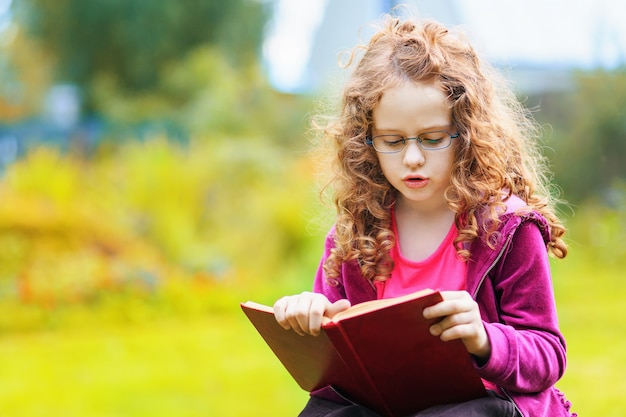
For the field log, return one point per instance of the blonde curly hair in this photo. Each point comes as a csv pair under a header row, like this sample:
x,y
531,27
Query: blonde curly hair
x,y
497,151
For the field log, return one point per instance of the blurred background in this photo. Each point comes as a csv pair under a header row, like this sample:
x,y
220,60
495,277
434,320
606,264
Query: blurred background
x,y
154,173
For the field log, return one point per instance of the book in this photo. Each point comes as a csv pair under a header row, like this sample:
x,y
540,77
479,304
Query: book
x,y
379,354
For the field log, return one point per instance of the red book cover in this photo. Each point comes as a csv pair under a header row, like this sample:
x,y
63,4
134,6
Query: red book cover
x,y
379,354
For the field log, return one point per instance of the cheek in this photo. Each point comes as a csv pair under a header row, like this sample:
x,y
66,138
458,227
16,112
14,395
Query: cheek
x,y
385,164
446,164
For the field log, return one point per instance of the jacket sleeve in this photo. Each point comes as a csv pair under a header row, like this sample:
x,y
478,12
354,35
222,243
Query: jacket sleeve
x,y
333,290
528,349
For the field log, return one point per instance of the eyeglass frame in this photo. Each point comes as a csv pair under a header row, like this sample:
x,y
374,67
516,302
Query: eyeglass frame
x,y
369,140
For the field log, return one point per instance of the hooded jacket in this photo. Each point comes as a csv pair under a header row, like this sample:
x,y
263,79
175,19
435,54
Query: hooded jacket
x,y
511,282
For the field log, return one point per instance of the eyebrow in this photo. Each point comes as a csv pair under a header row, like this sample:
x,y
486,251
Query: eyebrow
x,y
394,131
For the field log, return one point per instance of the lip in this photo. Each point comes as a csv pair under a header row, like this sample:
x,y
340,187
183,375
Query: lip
x,y
415,181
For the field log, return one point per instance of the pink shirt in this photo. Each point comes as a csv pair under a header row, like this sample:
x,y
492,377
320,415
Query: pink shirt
x,y
442,270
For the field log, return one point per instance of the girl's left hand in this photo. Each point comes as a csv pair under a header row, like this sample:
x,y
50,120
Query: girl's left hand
x,y
460,319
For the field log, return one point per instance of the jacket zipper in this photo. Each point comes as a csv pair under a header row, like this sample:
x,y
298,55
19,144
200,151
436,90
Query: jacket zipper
x,y
512,401
493,264
480,284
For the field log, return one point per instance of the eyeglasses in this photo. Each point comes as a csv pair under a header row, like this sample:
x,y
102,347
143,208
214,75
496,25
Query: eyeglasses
x,y
429,141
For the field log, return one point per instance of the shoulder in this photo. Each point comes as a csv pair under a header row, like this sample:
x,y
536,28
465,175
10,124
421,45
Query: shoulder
x,y
515,217
349,284
519,243
518,215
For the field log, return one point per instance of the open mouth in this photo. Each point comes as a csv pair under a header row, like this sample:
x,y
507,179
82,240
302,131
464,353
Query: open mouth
x,y
415,181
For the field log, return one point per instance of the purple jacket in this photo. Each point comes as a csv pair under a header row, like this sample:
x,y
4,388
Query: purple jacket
x,y
513,287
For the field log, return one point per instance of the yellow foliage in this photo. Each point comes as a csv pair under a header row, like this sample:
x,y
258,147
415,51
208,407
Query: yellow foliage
x,y
152,218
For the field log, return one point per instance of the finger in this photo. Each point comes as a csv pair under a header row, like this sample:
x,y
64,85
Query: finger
x,y
280,307
463,331
452,322
284,310
337,307
454,302
322,307
303,313
443,309
316,312
473,337
298,314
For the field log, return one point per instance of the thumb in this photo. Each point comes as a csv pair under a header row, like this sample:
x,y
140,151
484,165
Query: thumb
x,y
336,307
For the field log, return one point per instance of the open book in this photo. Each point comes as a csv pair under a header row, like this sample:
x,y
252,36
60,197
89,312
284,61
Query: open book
x,y
379,354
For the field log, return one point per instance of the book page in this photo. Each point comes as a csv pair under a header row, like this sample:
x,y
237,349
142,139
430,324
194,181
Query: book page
x,y
357,309
260,307
363,308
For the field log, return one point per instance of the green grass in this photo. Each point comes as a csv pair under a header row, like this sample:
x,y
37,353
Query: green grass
x,y
591,311
218,365
212,366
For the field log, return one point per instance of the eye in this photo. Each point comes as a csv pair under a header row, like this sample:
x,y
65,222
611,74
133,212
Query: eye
x,y
433,138
392,140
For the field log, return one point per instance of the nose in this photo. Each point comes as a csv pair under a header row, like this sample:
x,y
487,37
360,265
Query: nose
x,y
413,154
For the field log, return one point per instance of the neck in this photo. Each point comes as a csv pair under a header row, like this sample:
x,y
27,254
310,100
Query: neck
x,y
424,213
421,230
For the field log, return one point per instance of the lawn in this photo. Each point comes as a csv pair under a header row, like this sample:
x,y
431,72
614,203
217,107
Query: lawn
x,y
590,300
218,365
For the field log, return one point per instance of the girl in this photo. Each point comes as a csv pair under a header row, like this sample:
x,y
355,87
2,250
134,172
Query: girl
x,y
438,183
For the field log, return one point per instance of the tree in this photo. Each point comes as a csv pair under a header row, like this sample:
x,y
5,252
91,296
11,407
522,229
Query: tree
x,y
590,147
132,41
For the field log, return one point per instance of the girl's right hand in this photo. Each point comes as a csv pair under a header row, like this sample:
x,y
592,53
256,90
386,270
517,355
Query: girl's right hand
x,y
303,313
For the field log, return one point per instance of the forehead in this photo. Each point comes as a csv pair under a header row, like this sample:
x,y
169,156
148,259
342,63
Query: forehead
x,y
412,106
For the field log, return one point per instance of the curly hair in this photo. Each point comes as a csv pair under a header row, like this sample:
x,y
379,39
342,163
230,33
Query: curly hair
x,y
497,156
